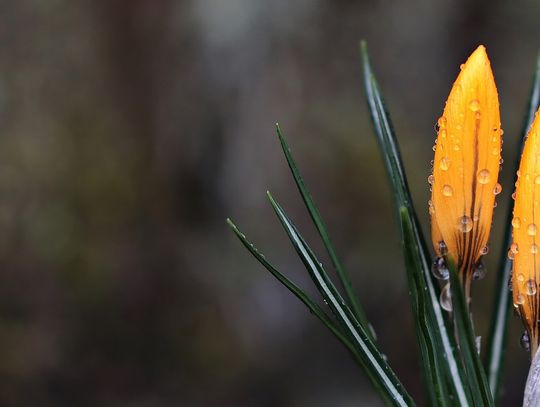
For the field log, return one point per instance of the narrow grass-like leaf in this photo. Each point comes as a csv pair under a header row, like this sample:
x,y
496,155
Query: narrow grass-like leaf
x,y
390,150
475,371
313,307
377,369
427,338
498,330
323,232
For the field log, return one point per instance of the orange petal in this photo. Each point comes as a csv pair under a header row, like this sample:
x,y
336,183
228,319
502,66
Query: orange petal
x,y
466,165
525,234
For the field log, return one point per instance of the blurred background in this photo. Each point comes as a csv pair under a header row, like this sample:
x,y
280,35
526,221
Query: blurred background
x,y
129,131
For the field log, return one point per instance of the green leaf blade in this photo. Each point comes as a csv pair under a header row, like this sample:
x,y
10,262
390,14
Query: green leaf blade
x,y
475,371
323,233
313,307
428,340
502,302
377,369
382,124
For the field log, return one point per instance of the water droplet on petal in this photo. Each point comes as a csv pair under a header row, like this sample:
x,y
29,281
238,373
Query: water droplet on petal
x,y
514,195
439,269
534,249
525,341
516,223
442,122
474,105
446,298
447,190
484,250
431,179
531,287
461,67
495,151
497,189
443,249
520,299
444,164
537,180
465,224
520,277
483,176
514,248
431,209
531,229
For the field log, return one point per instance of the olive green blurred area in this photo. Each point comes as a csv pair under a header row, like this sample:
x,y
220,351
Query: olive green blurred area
x,y
129,132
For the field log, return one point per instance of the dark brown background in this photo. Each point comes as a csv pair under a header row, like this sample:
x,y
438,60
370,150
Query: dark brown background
x,y
129,131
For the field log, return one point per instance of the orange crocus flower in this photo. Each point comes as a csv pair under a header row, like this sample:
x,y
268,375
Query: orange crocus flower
x,y
466,168
525,235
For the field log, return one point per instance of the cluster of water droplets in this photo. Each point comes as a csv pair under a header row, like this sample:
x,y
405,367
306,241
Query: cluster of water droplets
x,y
464,223
444,163
530,286
440,271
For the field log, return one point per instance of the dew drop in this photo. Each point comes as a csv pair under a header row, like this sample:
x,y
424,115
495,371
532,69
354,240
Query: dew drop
x,y
534,249
520,277
514,248
434,147
516,223
447,190
458,127
441,122
497,189
537,180
444,164
479,271
443,249
442,133
510,254
484,250
446,298
474,105
456,147
495,151
531,229
431,179
520,299
483,176
439,269
465,224
525,341
514,195
502,132
431,209
461,67
531,287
